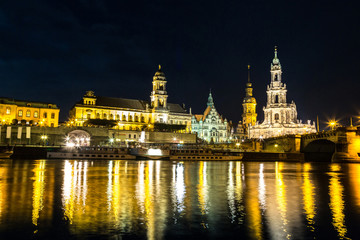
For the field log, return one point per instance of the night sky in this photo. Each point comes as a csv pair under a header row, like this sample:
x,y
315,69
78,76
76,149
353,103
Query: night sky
x,y
53,51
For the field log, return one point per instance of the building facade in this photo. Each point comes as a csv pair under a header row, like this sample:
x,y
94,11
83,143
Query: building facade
x,y
210,126
132,114
280,117
15,112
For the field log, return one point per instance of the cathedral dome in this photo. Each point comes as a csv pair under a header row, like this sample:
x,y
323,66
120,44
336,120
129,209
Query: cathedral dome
x,y
159,72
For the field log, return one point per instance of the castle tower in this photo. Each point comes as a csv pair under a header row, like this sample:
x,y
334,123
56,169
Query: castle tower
x,y
249,105
159,95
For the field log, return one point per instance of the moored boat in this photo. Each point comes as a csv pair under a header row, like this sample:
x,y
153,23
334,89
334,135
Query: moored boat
x,y
150,153
204,155
90,153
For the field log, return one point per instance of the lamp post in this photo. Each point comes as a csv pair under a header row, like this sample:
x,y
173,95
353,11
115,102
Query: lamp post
x,y
332,124
44,138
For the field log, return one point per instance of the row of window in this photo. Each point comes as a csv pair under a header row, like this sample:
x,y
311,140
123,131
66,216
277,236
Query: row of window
x,y
28,113
111,116
36,114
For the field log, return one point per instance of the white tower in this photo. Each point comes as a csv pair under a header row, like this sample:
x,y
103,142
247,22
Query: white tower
x,y
277,110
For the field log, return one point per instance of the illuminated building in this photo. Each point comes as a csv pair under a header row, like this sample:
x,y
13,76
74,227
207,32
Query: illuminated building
x,y
31,113
210,126
249,115
132,114
280,117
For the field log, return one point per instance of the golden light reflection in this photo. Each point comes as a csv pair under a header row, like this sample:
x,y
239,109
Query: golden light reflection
x,y
203,189
231,192
281,196
253,207
354,169
308,196
116,193
262,187
239,190
337,204
2,191
74,188
38,190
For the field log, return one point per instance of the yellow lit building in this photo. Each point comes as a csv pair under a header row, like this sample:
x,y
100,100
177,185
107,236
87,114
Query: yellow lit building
x,y
249,105
132,114
31,113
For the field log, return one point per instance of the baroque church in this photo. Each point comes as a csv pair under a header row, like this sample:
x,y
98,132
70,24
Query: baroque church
x,y
280,117
133,114
210,126
249,115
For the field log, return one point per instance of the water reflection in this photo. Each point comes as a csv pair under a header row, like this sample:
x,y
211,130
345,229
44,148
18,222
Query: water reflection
x,y
252,203
337,203
164,200
203,189
38,190
309,196
74,188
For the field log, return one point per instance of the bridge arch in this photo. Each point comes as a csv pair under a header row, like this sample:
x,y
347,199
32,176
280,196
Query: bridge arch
x,y
320,150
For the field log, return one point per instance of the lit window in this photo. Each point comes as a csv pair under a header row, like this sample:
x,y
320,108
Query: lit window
x,y
20,113
36,114
28,113
8,111
52,115
45,115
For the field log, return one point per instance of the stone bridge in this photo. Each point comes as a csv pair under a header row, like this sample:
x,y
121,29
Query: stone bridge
x,y
339,145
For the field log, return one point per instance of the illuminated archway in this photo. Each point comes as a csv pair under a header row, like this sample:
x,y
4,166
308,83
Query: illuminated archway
x,y
77,138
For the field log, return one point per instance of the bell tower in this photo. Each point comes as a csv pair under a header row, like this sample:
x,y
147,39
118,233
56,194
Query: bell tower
x,y
159,95
276,91
249,105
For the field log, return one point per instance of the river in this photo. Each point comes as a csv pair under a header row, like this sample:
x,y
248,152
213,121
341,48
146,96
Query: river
x,y
127,199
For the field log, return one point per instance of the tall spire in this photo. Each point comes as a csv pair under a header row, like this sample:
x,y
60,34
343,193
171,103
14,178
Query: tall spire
x,y
210,102
248,73
276,61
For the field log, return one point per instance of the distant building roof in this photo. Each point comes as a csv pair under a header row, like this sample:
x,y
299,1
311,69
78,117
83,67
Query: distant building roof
x,y
4,100
132,104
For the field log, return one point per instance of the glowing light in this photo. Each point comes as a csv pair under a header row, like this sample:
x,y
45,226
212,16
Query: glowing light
x,y
332,124
70,144
154,152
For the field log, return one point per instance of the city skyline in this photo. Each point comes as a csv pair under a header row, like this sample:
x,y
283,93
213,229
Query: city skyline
x,y
57,51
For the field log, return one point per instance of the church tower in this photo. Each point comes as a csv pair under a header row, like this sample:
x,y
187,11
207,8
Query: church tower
x,y
249,105
159,95
276,91
210,102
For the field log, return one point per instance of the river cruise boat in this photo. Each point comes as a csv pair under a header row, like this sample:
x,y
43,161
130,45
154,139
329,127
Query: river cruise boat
x,y
150,153
90,153
204,155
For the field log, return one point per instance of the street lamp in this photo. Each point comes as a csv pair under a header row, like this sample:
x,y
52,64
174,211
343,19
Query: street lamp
x,y
332,124
44,138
